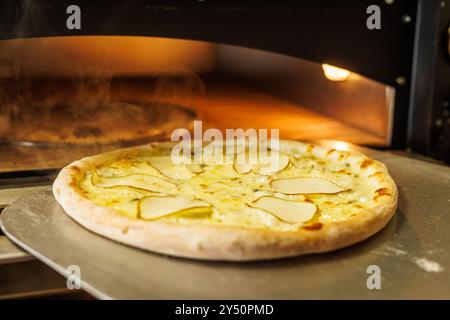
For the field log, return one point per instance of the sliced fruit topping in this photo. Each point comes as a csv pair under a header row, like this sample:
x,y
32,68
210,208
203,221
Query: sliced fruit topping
x,y
171,170
305,185
242,168
265,165
273,163
285,210
154,207
140,181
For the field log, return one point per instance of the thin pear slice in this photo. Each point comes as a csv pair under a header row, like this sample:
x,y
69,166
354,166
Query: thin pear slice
x,y
242,168
154,207
266,165
285,210
140,181
243,162
196,213
169,169
305,185
273,163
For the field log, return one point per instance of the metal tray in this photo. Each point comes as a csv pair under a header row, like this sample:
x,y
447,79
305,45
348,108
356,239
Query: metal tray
x,y
412,253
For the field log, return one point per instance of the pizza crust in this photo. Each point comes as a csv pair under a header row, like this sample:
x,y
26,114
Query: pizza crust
x,y
216,242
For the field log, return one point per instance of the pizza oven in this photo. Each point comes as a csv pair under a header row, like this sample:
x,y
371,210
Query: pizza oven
x,y
81,77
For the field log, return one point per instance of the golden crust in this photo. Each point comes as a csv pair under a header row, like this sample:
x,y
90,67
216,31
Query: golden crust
x,y
215,242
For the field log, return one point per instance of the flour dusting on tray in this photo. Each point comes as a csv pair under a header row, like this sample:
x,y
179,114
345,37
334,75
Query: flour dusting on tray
x,y
428,265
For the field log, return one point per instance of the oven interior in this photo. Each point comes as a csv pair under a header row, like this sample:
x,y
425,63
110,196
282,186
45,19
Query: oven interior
x,y
63,98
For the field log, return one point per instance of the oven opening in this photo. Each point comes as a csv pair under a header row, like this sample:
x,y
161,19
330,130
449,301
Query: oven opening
x,y
63,98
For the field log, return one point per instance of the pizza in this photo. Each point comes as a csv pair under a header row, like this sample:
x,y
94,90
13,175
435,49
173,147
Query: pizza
x,y
314,199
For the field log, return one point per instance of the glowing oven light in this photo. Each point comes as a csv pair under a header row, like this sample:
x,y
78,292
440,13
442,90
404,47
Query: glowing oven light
x,y
334,73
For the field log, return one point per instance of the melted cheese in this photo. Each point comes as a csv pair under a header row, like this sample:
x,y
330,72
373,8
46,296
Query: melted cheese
x,y
229,193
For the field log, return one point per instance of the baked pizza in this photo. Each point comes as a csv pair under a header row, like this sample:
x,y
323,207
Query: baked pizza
x,y
313,199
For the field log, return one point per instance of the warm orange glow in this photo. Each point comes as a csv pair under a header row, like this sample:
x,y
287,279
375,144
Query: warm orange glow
x,y
334,73
340,145
86,56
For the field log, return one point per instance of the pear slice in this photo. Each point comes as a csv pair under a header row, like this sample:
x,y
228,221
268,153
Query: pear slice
x,y
305,185
266,165
140,181
285,210
154,207
273,163
242,168
196,213
170,170
242,162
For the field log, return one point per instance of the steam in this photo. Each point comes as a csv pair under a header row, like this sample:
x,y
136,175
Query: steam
x,y
28,17
13,85
183,86
85,102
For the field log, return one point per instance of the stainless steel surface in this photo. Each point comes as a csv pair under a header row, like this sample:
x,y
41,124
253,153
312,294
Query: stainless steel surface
x,y
10,253
9,195
412,253
359,101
